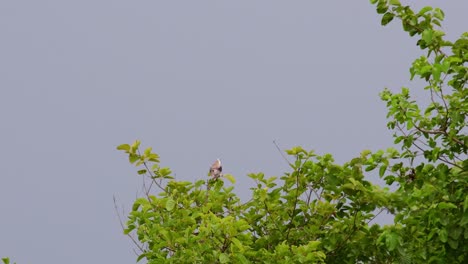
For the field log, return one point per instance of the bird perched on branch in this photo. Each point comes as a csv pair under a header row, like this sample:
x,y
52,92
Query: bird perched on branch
x,y
216,169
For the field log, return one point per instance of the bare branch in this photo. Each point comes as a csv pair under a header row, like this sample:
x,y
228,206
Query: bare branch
x,y
123,227
281,152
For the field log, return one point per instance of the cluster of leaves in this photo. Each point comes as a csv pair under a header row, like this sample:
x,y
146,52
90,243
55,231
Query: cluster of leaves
x,y
322,212
438,131
6,260
433,214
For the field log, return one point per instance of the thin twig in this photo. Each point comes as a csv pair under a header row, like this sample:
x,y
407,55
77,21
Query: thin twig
x,y
381,210
123,226
152,176
281,152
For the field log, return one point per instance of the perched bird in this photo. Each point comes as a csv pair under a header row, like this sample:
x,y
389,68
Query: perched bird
x,y
216,169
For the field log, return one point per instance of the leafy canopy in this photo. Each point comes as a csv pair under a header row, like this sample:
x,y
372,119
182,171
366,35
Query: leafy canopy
x,y
320,211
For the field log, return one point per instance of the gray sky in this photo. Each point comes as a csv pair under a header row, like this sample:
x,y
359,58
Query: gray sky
x,y
196,80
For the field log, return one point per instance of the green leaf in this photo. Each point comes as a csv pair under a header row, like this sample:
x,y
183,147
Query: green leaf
x,y
138,203
444,205
445,66
443,235
240,258
465,204
163,172
425,10
141,172
134,147
6,260
170,204
370,167
427,36
436,73
365,153
390,180
223,258
230,178
382,7
140,257
125,147
313,245
349,186
147,151
382,170
455,232
153,157
387,18
464,220
453,243
391,241
237,243
438,13
129,229
133,158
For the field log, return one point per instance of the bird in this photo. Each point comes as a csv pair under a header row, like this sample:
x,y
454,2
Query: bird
x,y
216,169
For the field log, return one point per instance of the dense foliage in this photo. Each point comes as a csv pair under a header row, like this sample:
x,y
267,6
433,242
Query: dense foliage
x,y
320,211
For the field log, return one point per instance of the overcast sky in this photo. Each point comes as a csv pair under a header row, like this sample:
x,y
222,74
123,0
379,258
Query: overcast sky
x,y
196,80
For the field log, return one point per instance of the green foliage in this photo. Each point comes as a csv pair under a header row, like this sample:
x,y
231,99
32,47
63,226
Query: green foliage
x,y
433,193
320,211
6,261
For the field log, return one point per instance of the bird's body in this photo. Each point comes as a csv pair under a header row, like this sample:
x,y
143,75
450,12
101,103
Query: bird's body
x,y
216,169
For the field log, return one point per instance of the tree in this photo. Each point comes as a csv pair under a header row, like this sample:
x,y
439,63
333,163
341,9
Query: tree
x,y
320,211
